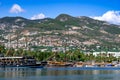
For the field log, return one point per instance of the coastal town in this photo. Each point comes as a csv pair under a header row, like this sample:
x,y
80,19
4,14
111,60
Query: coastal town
x,y
72,43
54,44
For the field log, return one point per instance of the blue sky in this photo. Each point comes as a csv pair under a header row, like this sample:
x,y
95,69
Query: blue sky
x,y
52,8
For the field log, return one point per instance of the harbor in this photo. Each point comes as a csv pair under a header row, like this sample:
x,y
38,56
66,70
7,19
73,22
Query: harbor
x,y
31,62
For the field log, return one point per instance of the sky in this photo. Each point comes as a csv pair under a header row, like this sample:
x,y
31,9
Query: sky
x,y
106,10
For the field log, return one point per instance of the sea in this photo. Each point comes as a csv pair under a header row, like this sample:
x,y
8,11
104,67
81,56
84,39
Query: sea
x,y
59,73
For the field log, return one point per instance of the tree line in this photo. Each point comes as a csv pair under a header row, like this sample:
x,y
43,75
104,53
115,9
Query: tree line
x,y
71,55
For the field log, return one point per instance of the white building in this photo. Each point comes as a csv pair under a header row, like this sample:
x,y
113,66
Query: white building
x,y
115,54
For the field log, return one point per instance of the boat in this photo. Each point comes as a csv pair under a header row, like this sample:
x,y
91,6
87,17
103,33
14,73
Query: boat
x,y
59,64
78,64
25,61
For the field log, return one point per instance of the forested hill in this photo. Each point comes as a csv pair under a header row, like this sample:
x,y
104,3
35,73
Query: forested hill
x,y
83,29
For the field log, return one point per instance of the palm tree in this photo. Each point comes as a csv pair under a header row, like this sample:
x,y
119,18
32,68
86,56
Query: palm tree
x,y
2,50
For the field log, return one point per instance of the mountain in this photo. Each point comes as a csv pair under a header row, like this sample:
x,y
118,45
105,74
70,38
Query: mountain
x,y
81,30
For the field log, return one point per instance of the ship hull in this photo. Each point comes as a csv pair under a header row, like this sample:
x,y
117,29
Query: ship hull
x,y
28,66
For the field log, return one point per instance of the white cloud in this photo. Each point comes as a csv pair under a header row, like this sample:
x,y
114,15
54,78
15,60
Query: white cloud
x,y
16,9
38,16
110,16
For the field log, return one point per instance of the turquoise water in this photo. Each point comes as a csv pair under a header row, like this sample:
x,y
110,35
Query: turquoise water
x,y
59,74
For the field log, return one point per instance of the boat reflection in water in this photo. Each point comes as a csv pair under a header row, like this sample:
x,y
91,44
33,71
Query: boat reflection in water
x,y
19,62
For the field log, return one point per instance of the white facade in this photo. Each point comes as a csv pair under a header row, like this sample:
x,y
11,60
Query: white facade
x,y
115,54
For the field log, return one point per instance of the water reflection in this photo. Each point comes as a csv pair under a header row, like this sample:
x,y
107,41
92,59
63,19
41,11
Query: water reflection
x,y
57,74
17,72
